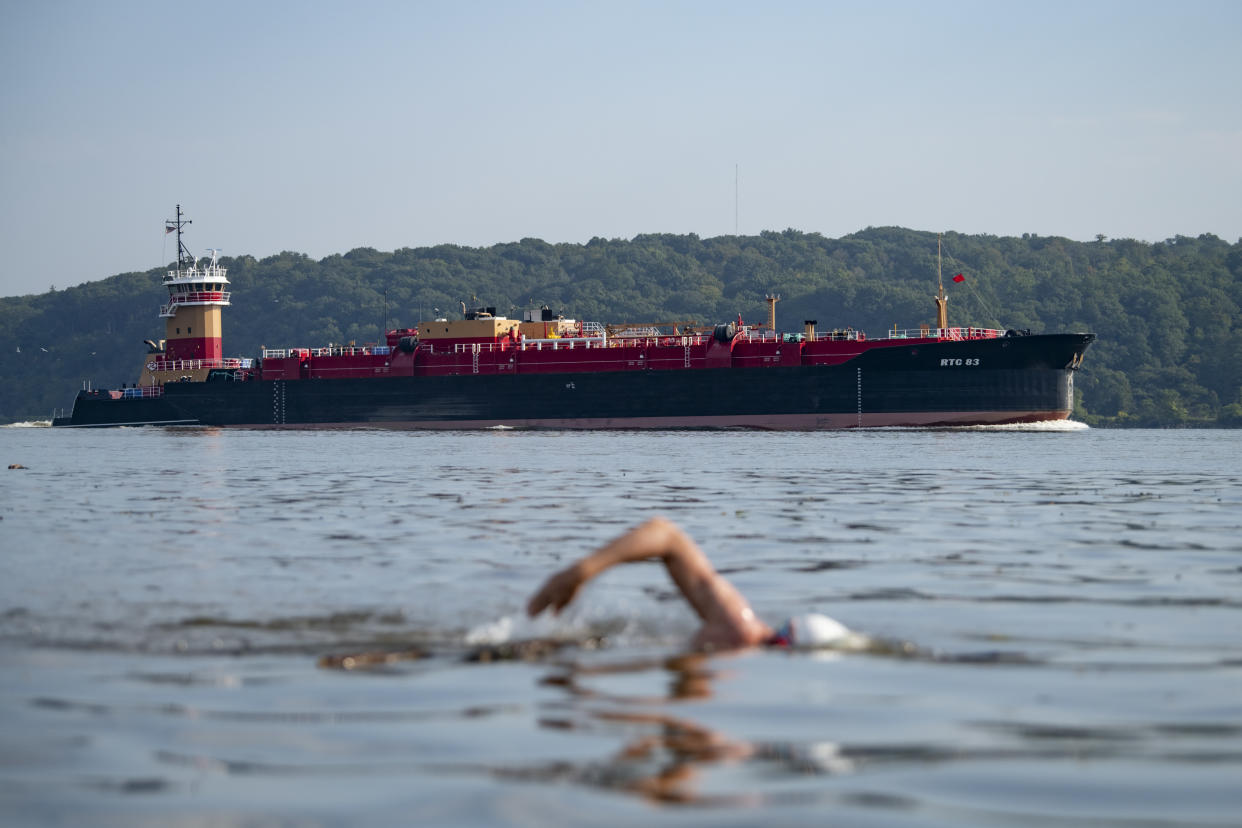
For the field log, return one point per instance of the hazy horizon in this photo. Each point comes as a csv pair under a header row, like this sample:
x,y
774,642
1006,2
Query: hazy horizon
x,y
318,129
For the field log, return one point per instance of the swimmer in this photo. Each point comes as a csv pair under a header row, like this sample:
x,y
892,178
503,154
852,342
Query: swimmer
x,y
728,621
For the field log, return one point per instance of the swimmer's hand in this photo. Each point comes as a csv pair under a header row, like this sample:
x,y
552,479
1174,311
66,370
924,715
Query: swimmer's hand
x,y
558,591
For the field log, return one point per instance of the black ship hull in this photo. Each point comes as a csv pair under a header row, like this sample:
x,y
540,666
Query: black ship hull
x,y
1001,380
97,409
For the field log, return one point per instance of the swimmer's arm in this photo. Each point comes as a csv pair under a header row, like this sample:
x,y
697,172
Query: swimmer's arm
x,y
727,617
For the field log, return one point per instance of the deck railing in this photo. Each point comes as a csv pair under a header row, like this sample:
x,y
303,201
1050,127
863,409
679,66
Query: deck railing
x,y
562,344
198,364
199,297
575,343
144,391
943,333
331,350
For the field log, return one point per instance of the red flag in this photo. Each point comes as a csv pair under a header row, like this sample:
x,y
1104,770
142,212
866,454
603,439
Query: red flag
x,y
959,278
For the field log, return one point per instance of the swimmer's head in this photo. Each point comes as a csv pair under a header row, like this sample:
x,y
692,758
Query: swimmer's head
x,y
812,630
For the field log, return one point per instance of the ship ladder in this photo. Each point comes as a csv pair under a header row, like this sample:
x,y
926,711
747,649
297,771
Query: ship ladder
x,y
860,421
278,402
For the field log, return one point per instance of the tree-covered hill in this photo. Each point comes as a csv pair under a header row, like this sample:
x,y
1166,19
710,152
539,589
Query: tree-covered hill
x,y
1169,351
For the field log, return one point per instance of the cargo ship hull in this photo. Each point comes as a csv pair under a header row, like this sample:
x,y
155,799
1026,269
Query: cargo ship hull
x,y
987,381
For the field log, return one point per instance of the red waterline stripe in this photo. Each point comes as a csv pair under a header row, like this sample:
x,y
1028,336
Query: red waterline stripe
x,y
775,422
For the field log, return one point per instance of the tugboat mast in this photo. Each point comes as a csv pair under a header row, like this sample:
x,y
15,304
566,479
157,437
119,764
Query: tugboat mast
x,y
183,255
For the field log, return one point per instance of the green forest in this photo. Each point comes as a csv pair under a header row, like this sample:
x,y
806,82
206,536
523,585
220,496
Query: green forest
x,y
1169,352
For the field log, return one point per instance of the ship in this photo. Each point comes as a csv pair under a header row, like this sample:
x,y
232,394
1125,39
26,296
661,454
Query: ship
x,y
544,370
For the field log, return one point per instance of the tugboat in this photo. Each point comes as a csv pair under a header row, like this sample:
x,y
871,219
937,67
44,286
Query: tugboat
x,y
545,371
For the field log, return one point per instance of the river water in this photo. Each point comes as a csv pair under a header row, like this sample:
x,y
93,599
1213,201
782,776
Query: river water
x,y
1054,617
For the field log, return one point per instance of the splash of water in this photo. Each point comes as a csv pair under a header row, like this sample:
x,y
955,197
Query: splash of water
x,y
1044,425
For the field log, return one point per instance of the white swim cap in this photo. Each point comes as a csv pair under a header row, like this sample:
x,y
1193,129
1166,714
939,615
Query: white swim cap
x,y
814,630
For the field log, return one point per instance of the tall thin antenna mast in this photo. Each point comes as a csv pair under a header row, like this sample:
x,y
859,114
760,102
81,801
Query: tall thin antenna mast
x,y
183,255
942,313
735,198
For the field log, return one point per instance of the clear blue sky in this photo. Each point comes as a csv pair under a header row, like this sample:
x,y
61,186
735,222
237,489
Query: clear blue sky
x,y
320,127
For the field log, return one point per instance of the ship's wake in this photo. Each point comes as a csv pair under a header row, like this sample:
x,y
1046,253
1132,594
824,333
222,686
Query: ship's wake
x,y
1044,425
